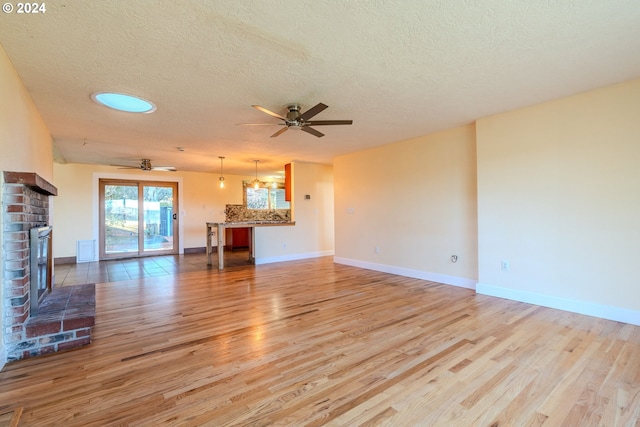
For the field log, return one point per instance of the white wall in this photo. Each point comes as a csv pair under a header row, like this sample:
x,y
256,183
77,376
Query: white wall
x,y
559,199
407,207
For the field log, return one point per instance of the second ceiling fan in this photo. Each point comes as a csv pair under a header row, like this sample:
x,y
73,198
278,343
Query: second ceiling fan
x,y
298,120
145,165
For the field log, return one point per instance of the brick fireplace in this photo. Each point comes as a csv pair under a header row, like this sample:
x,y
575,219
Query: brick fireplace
x,y
65,316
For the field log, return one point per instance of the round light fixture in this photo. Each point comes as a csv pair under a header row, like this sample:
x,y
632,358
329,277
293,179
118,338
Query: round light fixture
x,y
122,102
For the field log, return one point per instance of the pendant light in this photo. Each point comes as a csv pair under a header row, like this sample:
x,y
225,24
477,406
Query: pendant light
x,y
221,179
256,182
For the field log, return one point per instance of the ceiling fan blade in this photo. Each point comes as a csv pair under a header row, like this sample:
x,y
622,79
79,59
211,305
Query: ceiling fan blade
x,y
164,168
258,124
125,167
312,131
280,132
329,122
271,113
312,112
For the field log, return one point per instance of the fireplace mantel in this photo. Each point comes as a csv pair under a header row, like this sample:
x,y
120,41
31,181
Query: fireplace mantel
x,y
32,180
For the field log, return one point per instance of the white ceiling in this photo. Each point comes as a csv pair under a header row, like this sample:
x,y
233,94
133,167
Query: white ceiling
x,y
397,68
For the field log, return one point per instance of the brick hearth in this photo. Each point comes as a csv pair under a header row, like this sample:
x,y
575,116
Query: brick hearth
x,y
64,321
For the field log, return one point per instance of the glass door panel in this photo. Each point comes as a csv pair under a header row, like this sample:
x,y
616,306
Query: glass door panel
x,y
158,218
120,219
138,218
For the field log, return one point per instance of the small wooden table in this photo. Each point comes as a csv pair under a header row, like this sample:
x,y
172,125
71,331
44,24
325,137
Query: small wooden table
x,y
219,227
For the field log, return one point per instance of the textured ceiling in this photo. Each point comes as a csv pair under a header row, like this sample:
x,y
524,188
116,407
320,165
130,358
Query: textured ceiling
x,y
397,68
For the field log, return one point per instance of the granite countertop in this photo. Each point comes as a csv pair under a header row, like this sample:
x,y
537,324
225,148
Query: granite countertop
x,y
260,222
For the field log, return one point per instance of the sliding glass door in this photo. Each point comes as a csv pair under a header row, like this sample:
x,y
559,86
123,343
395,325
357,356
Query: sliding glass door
x,y
138,218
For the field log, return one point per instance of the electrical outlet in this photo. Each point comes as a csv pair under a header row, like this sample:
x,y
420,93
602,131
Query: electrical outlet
x,y
376,249
504,265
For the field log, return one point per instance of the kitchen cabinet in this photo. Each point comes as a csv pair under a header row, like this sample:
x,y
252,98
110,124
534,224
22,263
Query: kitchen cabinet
x,y
237,238
287,182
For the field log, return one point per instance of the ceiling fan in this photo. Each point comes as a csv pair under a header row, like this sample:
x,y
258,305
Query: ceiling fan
x,y
300,121
145,165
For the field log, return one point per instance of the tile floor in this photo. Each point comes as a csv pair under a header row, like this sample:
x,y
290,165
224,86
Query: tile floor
x,y
136,268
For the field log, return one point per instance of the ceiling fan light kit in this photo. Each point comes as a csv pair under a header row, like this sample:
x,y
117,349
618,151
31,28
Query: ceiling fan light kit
x,y
296,120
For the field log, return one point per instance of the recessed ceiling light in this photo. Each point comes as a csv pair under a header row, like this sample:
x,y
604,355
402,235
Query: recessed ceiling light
x,y
122,102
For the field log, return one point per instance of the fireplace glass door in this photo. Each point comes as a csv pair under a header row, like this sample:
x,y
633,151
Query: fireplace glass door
x,y
137,218
40,261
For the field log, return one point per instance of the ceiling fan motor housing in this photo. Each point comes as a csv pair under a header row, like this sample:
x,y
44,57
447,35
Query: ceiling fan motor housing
x,y
294,112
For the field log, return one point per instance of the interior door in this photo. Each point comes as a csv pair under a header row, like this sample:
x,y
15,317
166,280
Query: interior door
x,y
138,218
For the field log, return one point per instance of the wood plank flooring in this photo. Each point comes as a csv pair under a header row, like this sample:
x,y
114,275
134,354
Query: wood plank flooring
x,y
311,343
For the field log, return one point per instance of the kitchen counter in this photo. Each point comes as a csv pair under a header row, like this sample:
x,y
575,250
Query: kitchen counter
x,y
219,227
249,223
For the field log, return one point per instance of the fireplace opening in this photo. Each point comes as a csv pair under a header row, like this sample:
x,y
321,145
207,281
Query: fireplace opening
x,y
41,265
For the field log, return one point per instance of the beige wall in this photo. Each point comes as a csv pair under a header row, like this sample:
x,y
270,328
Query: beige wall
x,y
201,201
407,207
559,199
73,213
313,233
76,213
25,142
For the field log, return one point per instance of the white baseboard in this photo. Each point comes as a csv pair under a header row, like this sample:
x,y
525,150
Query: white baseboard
x,y
582,307
293,257
408,272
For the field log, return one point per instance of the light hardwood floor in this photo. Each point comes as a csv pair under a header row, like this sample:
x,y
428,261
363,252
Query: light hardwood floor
x,y
312,343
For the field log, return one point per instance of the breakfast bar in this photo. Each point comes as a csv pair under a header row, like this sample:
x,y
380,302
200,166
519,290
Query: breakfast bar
x,y
219,228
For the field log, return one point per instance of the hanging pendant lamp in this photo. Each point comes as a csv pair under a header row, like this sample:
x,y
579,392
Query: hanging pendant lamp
x,y
221,179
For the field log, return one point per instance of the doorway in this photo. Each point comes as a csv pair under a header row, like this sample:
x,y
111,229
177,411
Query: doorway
x,y
138,218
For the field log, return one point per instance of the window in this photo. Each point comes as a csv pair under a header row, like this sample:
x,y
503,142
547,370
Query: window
x,y
265,197
276,199
257,198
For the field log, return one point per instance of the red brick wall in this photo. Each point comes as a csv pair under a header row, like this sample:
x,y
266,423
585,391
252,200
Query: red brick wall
x,y
25,205
23,209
